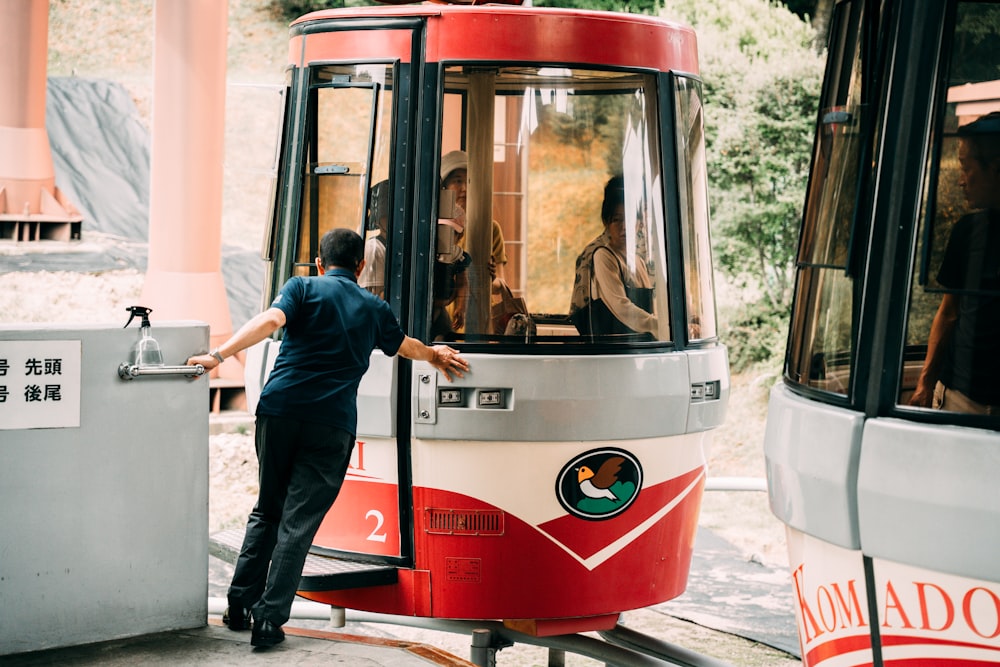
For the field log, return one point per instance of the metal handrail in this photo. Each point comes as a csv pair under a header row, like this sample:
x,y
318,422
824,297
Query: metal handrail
x,y
736,484
131,371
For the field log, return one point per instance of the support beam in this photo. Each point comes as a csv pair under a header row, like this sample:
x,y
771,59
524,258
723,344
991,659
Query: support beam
x,y
31,207
184,277
479,215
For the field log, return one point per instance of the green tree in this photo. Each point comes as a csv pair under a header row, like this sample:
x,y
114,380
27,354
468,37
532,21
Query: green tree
x,y
762,83
760,166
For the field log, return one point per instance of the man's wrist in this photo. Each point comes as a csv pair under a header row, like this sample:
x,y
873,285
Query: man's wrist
x,y
218,355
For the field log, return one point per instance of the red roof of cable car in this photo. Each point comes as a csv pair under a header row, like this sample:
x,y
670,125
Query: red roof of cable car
x,y
503,33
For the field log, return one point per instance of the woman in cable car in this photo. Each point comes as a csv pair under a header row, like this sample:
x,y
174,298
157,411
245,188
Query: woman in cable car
x,y
612,292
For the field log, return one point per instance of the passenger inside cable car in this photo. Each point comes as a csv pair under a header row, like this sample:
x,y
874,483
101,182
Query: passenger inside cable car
x,y
953,320
451,282
612,291
372,277
455,179
961,366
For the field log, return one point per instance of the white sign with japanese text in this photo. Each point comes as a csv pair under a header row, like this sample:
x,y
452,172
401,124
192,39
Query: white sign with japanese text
x,y
40,384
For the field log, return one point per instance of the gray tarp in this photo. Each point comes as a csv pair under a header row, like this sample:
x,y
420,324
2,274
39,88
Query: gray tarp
x,y
100,150
101,153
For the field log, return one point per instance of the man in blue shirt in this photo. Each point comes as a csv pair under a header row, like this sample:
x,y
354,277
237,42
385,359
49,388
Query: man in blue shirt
x,y
307,420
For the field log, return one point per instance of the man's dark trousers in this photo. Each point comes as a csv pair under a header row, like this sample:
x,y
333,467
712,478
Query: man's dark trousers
x,y
302,467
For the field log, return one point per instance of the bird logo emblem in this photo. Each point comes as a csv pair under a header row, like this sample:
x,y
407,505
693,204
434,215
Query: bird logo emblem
x,y
599,484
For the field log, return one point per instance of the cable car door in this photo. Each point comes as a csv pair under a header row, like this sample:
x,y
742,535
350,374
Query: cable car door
x,y
347,146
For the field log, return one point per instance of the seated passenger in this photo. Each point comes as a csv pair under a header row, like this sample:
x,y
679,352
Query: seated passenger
x,y
612,295
372,276
455,176
451,284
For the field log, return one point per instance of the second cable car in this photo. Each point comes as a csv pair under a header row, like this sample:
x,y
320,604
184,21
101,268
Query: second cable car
x,y
883,440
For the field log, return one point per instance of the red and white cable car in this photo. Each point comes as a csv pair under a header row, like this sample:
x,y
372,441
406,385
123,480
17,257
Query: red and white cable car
x,y
559,483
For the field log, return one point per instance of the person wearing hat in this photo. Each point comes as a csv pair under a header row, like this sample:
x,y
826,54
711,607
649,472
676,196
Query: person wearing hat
x,y
451,282
455,176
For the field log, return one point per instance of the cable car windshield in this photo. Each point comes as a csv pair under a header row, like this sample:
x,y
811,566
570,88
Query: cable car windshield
x,y
553,212
561,202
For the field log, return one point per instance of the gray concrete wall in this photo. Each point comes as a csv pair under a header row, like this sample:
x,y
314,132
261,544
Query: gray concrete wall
x,y
103,522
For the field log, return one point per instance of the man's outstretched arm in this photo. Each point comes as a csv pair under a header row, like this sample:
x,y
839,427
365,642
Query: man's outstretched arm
x,y
441,357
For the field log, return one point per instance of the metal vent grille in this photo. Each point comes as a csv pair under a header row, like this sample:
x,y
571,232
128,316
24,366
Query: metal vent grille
x,y
464,522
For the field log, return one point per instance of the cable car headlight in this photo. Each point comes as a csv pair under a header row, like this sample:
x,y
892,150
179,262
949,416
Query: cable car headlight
x,y
705,391
490,398
450,397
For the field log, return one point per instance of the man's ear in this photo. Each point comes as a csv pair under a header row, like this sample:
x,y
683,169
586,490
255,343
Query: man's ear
x,y
361,266
319,266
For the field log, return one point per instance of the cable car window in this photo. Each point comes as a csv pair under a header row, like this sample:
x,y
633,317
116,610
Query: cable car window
x,y
820,347
553,180
953,327
348,142
693,189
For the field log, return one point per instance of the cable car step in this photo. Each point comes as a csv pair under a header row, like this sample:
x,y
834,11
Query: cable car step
x,y
321,573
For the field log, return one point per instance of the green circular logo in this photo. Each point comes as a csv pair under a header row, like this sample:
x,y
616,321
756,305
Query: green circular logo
x,y
599,484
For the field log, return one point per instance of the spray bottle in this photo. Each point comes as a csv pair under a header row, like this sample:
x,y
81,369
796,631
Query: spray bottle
x,y
147,350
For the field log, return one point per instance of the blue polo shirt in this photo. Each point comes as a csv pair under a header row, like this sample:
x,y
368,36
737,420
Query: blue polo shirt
x,y
332,326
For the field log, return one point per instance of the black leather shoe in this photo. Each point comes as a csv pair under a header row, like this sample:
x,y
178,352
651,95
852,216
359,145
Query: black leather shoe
x,y
236,617
266,633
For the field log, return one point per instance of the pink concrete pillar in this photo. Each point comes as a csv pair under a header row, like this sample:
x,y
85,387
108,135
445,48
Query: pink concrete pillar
x,y
184,277
28,195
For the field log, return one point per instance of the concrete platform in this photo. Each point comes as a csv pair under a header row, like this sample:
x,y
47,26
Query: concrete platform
x,y
215,644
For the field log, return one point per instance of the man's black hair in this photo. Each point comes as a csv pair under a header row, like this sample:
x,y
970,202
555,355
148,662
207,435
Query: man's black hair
x,y
343,248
